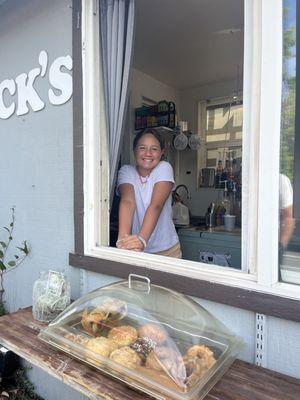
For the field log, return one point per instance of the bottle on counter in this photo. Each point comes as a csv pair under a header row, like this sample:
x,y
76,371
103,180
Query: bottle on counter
x,y
219,172
219,215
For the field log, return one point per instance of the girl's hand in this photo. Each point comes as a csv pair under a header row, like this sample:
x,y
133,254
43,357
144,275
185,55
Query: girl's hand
x,y
130,242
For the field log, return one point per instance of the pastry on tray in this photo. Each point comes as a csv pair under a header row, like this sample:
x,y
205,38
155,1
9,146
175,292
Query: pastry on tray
x,y
198,360
93,322
102,346
104,316
124,335
153,332
203,353
126,357
143,346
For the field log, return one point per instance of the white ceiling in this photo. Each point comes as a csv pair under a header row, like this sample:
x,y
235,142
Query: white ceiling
x,y
189,43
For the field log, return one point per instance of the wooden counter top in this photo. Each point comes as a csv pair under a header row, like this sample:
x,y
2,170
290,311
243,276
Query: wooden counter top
x,y
243,381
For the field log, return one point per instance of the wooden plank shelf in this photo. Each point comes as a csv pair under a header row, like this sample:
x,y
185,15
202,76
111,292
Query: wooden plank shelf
x,y
243,381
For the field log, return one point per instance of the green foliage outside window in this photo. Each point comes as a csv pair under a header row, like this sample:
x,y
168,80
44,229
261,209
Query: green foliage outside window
x,y
288,97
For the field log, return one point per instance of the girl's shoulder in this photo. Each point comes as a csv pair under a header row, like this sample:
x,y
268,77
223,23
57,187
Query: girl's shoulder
x,y
127,169
126,174
164,166
163,172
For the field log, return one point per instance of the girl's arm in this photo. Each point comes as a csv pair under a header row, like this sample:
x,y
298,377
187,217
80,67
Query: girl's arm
x,y
126,211
160,194
287,225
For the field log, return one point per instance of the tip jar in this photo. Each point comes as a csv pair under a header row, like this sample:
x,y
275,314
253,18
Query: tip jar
x,y
51,295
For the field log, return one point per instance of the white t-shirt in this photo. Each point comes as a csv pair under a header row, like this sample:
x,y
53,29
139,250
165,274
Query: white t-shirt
x,y
164,235
285,192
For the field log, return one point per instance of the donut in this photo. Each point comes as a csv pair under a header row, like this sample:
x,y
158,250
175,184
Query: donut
x,y
202,353
143,346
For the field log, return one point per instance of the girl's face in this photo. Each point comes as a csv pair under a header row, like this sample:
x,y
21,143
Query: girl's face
x,y
147,153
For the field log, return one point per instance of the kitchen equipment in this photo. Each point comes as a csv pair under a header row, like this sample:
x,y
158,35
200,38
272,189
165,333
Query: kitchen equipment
x,y
180,141
210,257
181,216
153,338
229,222
210,216
195,142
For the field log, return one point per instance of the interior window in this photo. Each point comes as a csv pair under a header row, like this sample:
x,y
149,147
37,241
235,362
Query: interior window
x,y
289,235
187,84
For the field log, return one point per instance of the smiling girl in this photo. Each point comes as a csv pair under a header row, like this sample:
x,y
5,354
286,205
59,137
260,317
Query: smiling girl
x,y
145,211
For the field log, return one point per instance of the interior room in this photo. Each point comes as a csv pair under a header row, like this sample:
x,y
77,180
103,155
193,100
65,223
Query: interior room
x,y
187,82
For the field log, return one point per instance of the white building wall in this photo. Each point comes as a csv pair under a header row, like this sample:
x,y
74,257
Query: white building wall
x,y
36,160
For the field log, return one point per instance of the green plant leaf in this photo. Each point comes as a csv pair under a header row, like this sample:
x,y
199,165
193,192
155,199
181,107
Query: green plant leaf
x,y
2,266
1,254
26,249
3,244
11,263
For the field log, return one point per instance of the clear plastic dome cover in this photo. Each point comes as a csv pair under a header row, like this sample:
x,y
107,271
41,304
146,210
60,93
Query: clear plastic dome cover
x,y
151,337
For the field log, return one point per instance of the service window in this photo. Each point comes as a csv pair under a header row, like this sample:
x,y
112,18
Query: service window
x,y
232,96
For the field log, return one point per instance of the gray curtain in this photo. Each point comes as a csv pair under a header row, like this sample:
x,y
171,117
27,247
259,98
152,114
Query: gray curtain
x,y
117,29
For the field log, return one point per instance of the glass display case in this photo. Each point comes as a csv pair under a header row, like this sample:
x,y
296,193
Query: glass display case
x,y
153,338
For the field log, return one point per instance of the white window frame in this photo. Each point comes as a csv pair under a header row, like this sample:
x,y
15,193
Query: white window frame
x,y
261,127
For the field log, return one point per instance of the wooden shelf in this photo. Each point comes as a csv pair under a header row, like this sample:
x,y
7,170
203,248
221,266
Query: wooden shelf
x,y
160,129
243,381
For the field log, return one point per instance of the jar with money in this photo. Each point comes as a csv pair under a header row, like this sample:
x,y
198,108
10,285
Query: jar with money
x,y
51,295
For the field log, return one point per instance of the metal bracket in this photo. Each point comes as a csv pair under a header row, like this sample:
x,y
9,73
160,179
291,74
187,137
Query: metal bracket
x,y
261,340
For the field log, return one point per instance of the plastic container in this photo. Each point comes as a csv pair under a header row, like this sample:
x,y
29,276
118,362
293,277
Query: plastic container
x,y
51,295
229,222
154,339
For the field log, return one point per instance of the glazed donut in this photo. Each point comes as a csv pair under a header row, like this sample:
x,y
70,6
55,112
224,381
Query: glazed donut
x,y
198,360
202,353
